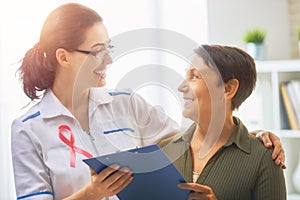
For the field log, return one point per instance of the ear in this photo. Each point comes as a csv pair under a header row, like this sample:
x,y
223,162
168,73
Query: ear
x,y
62,57
231,88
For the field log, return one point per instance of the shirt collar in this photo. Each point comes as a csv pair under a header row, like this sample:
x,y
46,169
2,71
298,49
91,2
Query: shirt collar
x,y
239,136
98,96
186,136
50,106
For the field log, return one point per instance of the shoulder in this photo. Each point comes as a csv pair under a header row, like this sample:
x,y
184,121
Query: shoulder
x,y
126,96
259,151
177,144
179,139
106,94
24,121
31,113
119,92
269,177
163,143
174,147
247,142
256,144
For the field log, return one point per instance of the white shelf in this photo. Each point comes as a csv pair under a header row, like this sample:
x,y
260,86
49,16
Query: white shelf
x,y
270,74
264,110
293,197
289,133
278,66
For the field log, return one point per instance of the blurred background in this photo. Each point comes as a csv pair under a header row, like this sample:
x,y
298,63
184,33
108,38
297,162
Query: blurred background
x,y
203,21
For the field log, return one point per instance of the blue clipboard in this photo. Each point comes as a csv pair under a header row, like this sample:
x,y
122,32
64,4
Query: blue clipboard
x,y
154,175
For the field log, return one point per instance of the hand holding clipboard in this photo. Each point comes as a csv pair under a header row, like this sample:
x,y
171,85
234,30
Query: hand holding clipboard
x,y
154,175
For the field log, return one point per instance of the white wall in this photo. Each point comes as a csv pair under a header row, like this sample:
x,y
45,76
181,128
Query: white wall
x,y
229,19
21,22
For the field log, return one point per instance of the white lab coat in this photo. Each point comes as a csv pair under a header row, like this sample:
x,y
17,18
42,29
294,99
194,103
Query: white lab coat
x,y
41,160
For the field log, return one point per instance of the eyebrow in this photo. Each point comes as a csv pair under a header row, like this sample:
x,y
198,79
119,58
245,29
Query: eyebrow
x,y
101,44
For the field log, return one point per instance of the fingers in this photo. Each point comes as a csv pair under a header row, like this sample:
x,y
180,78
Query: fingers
x,y
278,152
107,172
111,180
264,136
271,140
282,165
199,191
196,196
120,183
279,158
118,180
277,147
92,172
195,187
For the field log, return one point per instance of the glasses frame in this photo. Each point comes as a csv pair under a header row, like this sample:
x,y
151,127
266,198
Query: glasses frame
x,y
99,53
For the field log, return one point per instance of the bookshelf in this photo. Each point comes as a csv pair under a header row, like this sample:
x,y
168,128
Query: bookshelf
x,y
264,109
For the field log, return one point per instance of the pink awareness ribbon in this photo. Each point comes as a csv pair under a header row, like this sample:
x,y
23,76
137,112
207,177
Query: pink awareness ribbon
x,y
70,143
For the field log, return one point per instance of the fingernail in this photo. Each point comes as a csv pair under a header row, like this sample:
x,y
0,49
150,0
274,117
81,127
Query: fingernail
x,y
268,144
283,166
125,170
115,166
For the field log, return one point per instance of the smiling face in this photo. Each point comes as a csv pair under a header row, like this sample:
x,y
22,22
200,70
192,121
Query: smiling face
x,y
89,69
195,94
201,92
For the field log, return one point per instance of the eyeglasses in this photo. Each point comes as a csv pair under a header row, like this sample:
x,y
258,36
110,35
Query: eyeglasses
x,y
99,51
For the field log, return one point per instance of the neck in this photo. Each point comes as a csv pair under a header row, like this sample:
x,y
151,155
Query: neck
x,y
80,108
207,138
64,94
76,101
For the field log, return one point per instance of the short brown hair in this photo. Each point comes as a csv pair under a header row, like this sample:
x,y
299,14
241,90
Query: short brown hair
x,y
232,62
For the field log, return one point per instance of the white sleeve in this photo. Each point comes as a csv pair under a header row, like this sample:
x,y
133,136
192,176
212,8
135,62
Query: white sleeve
x,y
32,179
153,123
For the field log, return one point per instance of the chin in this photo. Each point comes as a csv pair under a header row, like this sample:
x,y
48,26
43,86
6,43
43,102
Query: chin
x,y
189,115
186,114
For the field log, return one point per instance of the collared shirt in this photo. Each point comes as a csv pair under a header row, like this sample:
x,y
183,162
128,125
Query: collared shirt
x,y
42,159
241,169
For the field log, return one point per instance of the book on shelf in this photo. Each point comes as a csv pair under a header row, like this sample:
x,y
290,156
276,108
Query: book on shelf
x,y
289,91
293,88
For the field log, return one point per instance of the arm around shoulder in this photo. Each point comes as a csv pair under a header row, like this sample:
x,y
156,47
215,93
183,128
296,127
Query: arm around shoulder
x,y
270,183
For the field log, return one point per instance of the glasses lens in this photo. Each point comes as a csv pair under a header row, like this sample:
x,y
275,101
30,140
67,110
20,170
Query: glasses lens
x,y
103,51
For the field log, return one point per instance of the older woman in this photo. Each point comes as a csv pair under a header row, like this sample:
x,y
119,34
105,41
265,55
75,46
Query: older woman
x,y
217,155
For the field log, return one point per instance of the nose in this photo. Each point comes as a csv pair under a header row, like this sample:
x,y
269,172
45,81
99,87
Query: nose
x,y
107,61
183,86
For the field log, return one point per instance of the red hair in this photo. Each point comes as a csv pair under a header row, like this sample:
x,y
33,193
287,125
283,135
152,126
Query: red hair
x,y
64,27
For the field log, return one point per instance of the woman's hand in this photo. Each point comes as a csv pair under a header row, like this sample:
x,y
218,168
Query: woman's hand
x,y
271,140
107,183
198,191
111,180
